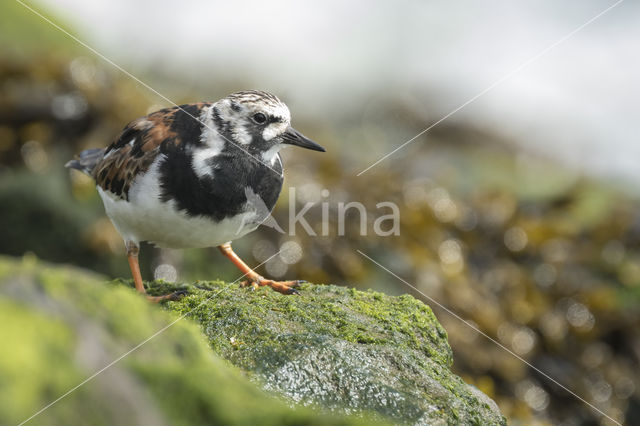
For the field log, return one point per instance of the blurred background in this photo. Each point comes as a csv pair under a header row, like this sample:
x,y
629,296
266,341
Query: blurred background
x,y
519,212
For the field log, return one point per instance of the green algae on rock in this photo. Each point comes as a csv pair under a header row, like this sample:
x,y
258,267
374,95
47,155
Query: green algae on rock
x,y
60,325
362,355
339,348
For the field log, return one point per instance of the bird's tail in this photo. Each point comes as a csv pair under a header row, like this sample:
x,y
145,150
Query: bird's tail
x,y
86,161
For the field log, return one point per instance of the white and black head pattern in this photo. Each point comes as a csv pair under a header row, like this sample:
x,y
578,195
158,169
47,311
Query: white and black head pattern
x,y
259,122
253,116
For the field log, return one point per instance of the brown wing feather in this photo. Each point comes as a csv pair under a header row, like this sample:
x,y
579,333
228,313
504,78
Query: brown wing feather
x,y
140,142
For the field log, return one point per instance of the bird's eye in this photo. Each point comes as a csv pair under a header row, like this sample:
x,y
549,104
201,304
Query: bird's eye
x,y
259,118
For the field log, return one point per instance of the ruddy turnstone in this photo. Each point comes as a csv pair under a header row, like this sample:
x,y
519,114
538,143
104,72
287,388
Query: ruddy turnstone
x,y
189,176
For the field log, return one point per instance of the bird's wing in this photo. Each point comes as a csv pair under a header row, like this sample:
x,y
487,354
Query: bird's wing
x,y
142,140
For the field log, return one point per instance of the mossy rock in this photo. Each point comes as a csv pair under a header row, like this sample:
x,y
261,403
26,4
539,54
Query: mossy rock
x,y
338,348
353,357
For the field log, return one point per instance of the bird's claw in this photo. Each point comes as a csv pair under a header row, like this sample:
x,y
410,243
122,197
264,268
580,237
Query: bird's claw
x,y
293,291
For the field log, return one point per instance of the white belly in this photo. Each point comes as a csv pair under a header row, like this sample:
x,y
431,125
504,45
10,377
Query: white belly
x,y
145,217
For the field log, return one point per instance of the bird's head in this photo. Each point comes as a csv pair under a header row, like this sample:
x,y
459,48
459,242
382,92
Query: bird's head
x,y
260,123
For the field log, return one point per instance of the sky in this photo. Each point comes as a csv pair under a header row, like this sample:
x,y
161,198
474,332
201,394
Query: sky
x,y
578,101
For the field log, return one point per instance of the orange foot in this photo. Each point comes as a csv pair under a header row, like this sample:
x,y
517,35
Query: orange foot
x,y
285,287
254,279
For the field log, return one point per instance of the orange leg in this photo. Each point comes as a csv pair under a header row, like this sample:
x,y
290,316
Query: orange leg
x,y
132,255
255,279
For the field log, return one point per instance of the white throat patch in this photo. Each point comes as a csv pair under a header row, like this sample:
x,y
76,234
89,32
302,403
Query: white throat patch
x,y
269,156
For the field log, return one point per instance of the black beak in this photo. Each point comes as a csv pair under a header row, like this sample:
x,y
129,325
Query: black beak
x,y
293,137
